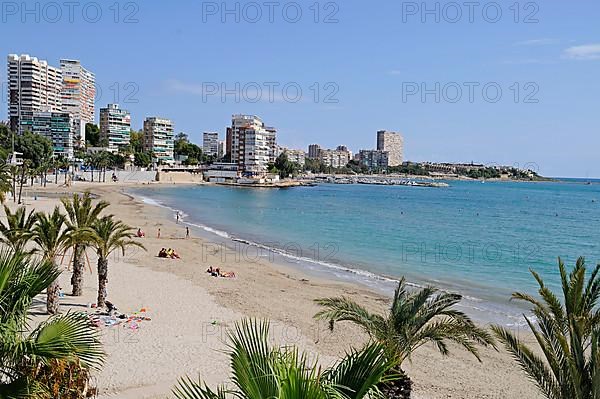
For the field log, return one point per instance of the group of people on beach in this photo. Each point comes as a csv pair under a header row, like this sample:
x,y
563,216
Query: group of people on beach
x,y
216,272
168,253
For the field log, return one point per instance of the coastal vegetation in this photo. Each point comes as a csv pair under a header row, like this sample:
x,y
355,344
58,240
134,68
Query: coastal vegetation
x,y
109,235
284,167
55,359
51,237
415,319
82,214
260,370
567,331
17,231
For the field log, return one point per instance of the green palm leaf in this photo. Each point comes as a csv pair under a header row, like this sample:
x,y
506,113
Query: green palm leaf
x,y
566,333
261,371
17,231
68,338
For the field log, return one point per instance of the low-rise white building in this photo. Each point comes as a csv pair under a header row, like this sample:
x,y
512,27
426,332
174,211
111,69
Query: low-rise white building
x,y
221,172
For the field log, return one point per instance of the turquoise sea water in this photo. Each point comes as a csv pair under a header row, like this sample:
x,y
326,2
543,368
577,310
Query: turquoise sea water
x,y
477,239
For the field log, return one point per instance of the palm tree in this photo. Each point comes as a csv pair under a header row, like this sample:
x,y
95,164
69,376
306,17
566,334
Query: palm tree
x,y
25,169
82,214
103,161
64,164
415,319
5,180
261,371
18,228
58,162
568,334
25,359
110,235
92,162
52,237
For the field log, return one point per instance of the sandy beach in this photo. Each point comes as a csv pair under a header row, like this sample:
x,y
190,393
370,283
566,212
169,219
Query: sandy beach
x,y
190,312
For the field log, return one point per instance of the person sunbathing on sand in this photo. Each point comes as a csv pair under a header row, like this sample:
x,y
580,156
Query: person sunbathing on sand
x,y
162,253
140,233
217,273
172,254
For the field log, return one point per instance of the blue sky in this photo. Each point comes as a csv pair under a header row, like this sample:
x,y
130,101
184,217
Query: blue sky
x,y
370,61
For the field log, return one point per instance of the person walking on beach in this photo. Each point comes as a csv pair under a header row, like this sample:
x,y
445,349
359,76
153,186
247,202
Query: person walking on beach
x,y
177,216
187,232
158,234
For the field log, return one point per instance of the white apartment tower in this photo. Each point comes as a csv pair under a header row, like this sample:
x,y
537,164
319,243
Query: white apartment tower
x,y
158,139
251,144
393,144
78,95
33,86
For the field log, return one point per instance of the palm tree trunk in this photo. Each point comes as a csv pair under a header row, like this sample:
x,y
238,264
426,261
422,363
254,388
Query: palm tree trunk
x,y
52,297
102,281
56,176
397,389
21,182
14,190
78,268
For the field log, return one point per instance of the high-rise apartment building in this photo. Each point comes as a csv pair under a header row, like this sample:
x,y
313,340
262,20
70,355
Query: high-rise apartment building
x,y
393,143
158,139
33,86
58,127
78,95
210,143
239,122
115,126
313,151
251,144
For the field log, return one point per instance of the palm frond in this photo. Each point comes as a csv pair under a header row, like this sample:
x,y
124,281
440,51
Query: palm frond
x,y
21,280
67,337
566,333
535,367
261,371
359,372
17,230
415,318
344,309
189,389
